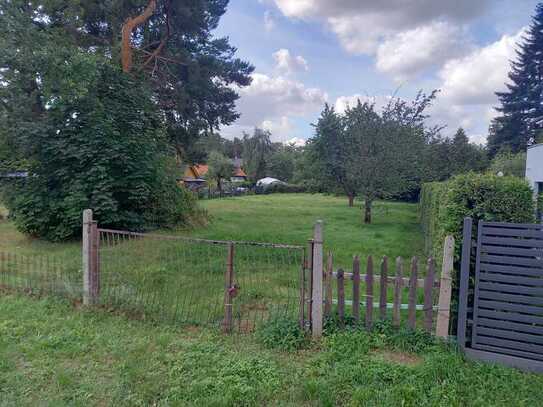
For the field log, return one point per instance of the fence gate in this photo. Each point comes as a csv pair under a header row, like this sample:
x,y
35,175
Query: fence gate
x,y
500,316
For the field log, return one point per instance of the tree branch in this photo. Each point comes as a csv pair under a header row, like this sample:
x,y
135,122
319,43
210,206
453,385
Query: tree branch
x,y
128,27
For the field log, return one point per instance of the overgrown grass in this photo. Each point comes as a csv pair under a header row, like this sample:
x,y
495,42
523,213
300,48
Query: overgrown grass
x,y
177,281
285,218
53,354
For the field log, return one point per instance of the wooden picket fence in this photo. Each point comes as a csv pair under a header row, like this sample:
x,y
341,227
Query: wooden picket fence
x,y
322,290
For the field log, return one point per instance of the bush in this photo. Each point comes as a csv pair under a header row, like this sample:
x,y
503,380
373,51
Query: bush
x,y
484,197
104,148
280,188
283,333
479,196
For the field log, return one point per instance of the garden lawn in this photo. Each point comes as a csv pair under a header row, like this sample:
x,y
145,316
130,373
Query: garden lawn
x,y
282,218
54,354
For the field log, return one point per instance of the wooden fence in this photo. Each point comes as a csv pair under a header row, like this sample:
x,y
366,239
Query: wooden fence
x,y
322,289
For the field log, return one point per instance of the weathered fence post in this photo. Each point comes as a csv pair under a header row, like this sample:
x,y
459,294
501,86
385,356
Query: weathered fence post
x,y
445,289
341,296
91,274
398,282
428,297
317,274
369,292
356,289
328,285
229,289
383,287
412,299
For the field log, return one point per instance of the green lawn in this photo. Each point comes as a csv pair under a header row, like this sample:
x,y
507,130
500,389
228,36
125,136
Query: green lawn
x,y
183,282
284,218
53,354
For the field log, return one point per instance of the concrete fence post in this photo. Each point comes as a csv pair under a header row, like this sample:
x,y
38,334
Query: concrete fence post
x,y
317,283
91,274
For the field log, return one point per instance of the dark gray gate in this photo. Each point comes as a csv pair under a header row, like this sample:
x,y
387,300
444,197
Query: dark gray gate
x,y
500,315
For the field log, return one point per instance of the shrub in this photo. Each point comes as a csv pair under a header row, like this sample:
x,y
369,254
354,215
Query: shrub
x,y
281,188
479,196
283,333
104,148
484,197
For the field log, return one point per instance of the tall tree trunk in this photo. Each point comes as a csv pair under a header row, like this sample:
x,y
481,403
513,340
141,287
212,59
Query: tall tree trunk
x,y
351,200
367,211
219,186
128,27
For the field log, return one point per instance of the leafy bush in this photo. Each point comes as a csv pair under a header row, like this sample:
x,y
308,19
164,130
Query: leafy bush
x,y
484,197
432,195
283,333
104,148
479,196
281,188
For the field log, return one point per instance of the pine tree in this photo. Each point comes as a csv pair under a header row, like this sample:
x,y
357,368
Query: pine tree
x,y
521,119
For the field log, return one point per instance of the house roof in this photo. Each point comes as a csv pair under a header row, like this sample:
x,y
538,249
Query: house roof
x,y
201,169
238,172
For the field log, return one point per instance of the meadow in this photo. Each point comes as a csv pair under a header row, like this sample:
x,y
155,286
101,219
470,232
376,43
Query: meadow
x,y
182,281
55,352
283,218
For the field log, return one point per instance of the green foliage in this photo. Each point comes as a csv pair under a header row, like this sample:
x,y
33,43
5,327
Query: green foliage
x,y
102,148
93,136
432,196
220,167
509,164
479,196
282,333
256,151
283,162
282,188
369,153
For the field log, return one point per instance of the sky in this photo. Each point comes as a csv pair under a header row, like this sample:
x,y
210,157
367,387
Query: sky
x,y
310,52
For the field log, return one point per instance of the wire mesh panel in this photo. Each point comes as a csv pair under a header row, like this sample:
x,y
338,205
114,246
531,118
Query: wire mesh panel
x,y
182,279
42,274
267,279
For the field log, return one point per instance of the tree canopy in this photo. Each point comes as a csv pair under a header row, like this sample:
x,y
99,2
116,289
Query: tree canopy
x,y
97,98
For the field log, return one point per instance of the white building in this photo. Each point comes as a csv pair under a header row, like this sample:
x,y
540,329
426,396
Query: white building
x,y
534,167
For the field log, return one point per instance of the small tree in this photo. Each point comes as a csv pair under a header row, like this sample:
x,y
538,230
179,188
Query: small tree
x,y
328,150
509,164
220,167
256,151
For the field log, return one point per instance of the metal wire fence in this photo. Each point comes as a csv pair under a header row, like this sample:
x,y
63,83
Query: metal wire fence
x,y
42,274
182,280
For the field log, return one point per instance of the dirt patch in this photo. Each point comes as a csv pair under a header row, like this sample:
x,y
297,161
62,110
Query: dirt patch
x,y
401,358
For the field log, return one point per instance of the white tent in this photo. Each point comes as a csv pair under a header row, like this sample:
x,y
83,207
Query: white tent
x,y
264,182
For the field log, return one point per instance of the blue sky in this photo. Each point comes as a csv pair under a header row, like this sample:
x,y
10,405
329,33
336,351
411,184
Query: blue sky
x,y
308,52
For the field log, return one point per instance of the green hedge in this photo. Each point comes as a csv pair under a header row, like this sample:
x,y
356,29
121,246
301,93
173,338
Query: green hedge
x,y
479,196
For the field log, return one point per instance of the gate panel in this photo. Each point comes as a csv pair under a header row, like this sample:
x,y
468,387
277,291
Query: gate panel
x,y
508,294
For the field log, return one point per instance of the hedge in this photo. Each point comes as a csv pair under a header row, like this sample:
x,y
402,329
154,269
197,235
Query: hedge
x,y
486,197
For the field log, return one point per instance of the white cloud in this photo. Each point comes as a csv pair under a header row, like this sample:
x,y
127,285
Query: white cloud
x,y
361,24
474,78
281,129
287,63
269,22
296,141
408,53
467,96
344,102
269,96
271,103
